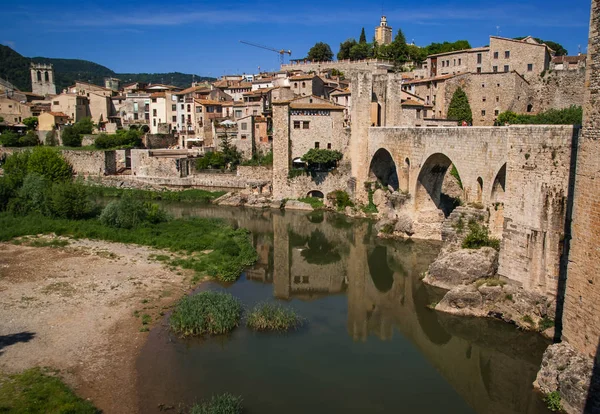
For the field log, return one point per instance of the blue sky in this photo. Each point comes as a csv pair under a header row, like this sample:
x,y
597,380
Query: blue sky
x,y
203,37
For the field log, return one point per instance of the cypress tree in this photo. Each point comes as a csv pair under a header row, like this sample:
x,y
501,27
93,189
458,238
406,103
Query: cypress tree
x,y
363,36
459,109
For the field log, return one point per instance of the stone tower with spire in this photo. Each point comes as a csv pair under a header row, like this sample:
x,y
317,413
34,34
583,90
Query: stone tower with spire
x,y
383,32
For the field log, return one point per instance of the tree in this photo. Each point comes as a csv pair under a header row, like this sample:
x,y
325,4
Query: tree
x,y
320,52
459,109
321,158
9,139
399,49
345,48
31,122
363,37
435,48
557,47
84,126
231,155
48,163
30,139
360,51
70,137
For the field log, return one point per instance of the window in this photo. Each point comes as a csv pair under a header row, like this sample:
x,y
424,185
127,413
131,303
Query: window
x,y
153,99
189,119
506,68
497,99
329,145
296,124
39,76
147,116
154,112
496,112
238,113
507,54
244,136
424,113
174,118
478,70
454,63
174,107
484,99
494,69
459,61
135,116
483,85
295,84
305,124
479,58
317,145
56,103
244,126
530,67
443,63
189,108
418,114
483,112
154,122
498,85
529,108
46,77
182,106
304,84
448,63
495,55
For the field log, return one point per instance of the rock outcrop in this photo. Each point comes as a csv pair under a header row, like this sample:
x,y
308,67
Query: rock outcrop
x,y
570,374
297,205
462,267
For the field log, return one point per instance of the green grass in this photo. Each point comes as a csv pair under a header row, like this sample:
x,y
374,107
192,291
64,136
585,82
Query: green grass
x,y
490,282
219,404
35,391
553,401
166,195
479,237
527,319
313,201
209,246
211,313
545,323
273,317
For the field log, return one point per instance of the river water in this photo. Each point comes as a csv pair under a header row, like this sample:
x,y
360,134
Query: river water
x,y
370,344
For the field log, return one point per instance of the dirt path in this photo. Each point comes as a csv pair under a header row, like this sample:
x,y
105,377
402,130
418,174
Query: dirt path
x,y
79,309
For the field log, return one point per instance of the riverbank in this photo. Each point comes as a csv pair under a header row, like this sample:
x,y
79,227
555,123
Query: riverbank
x,y
84,309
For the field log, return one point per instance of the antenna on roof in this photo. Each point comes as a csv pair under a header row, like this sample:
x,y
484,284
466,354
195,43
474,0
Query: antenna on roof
x,y
497,30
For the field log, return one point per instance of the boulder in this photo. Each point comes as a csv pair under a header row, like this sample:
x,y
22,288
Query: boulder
x,y
571,374
404,225
462,300
276,204
297,205
385,226
380,199
462,267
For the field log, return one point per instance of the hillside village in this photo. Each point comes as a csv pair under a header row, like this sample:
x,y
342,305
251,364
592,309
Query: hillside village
x,y
521,76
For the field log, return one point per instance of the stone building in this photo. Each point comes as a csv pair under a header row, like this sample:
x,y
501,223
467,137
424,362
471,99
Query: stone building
x,y
75,106
48,121
42,79
383,32
568,62
12,111
306,85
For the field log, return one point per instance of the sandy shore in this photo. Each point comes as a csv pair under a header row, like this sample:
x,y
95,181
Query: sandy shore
x,y
79,309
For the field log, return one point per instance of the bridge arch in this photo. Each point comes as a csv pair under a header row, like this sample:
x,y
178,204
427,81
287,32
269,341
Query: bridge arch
x,y
383,169
479,196
315,194
499,186
428,192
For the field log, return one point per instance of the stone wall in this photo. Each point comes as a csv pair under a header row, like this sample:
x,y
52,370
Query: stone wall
x,y
153,141
581,317
346,66
96,163
325,182
145,165
327,132
535,202
558,89
251,173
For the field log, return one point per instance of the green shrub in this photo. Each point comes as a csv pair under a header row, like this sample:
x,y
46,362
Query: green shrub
x,y
527,319
219,404
7,191
9,139
70,137
340,199
566,116
211,160
51,138
69,200
553,401
272,317
127,213
315,202
32,196
370,208
35,391
84,126
50,164
479,237
121,139
30,139
31,122
490,281
260,159
321,158
15,168
212,313
545,323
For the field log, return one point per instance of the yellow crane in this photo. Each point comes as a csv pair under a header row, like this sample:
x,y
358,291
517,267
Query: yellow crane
x,y
281,52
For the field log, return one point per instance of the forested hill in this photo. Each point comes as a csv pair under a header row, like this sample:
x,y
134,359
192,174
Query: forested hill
x,y
15,69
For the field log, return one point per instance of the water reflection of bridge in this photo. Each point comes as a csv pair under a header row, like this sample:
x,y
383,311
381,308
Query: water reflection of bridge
x,y
491,365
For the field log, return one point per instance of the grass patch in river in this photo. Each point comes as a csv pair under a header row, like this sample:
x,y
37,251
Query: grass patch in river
x,y
206,313
209,246
219,404
273,317
34,391
165,195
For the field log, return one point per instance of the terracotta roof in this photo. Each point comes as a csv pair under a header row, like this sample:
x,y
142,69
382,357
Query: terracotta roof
x,y
300,105
303,77
569,59
58,114
118,97
207,102
157,95
341,92
410,102
91,84
193,89
232,84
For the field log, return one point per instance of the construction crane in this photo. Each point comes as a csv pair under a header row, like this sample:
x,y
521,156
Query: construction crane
x,y
281,52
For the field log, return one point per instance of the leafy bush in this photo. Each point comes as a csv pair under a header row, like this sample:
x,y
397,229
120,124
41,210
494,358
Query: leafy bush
x,y
545,323
34,391
69,200
84,126
7,191
16,167
212,313
211,160
340,199
272,317
370,208
479,237
32,196
9,139
70,137
260,159
51,138
553,401
128,213
315,202
184,196
50,164
30,139
321,158
121,139
31,122
567,116
219,404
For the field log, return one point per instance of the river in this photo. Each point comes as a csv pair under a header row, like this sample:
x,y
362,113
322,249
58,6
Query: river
x,y
370,344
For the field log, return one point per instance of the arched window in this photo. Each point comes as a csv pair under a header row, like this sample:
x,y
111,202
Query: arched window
x,y
46,76
39,76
